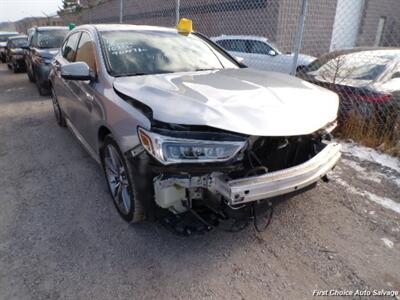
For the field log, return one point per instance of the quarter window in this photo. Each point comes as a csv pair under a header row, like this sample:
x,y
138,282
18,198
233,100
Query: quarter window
x,y
85,51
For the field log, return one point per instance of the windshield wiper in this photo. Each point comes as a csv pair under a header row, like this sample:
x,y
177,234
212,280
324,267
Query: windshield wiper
x,y
131,74
142,73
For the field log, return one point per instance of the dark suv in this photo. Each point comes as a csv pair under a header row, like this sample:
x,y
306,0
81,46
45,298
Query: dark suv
x,y
43,45
15,54
4,35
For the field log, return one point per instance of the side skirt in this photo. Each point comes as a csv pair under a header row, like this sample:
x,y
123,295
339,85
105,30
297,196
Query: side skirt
x,y
82,141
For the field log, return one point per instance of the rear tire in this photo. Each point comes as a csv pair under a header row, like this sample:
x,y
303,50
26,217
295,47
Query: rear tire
x,y
57,110
14,68
119,177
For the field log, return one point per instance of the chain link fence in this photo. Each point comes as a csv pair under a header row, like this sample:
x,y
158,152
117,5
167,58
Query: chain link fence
x,y
337,44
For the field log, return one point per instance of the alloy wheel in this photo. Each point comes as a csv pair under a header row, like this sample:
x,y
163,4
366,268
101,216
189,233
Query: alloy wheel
x,y
117,179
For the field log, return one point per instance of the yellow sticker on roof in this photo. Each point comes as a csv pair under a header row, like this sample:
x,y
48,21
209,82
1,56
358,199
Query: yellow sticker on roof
x,y
185,26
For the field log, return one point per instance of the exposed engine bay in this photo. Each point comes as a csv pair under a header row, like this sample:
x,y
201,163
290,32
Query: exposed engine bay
x,y
240,189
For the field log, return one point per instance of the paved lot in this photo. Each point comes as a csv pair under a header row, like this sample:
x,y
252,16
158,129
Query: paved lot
x,y
60,236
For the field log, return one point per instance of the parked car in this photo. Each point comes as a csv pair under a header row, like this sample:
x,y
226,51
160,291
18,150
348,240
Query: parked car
x,y
181,128
15,57
367,81
259,53
43,45
4,35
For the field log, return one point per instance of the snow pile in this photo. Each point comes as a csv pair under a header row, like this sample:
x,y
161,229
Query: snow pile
x,y
369,154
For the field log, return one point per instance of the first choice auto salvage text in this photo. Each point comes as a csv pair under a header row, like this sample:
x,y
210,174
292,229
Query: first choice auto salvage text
x,y
390,293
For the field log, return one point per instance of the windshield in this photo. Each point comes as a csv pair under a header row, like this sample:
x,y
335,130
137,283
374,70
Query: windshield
x,y
365,65
154,52
51,38
18,43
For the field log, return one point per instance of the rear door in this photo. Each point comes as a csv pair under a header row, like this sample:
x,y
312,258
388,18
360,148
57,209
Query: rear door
x,y
260,56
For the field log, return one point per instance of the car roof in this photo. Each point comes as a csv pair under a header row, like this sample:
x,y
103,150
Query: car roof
x,y
367,51
118,27
240,37
8,33
16,37
49,28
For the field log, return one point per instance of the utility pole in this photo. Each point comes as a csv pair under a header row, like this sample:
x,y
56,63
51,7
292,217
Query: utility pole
x,y
177,7
299,35
121,11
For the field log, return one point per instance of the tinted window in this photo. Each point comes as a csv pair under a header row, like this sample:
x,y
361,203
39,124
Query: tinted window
x,y
85,51
4,37
50,39
233,45
18,43
69,48
154,52
365,65
258,47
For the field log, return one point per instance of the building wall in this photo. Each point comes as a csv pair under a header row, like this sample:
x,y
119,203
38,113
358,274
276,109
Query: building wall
x,y
317,29
275,19
373,10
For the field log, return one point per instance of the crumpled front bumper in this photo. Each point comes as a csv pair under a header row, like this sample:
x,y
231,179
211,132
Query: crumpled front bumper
x,y
277,183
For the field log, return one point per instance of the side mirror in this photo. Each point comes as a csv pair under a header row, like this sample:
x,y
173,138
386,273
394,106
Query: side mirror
x,y
76,71
272,53
239,59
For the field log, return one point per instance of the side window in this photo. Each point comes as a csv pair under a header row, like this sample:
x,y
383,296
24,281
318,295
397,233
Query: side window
x,y
233,45
258,47
30,36
86,51
34,39
70,45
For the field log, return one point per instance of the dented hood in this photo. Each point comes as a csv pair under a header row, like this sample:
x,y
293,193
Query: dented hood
x,y
239,100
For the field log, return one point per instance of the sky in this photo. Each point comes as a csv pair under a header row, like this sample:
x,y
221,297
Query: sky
x,y
13,10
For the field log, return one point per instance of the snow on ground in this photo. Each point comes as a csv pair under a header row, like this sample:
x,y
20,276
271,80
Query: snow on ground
x,y
383,201
369,154
365,174
387,242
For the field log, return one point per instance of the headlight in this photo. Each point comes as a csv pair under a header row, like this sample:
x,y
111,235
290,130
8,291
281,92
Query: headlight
x,y
169,150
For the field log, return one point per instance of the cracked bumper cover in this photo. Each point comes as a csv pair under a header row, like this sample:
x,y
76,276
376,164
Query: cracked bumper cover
x,y
278,183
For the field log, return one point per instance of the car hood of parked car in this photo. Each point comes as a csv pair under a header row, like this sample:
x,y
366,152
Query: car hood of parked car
x,y
302,60
47,53
17,51
239,100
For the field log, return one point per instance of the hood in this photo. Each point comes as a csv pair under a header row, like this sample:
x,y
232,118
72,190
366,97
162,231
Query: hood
x,y
47,53
3,44
239,100
302,60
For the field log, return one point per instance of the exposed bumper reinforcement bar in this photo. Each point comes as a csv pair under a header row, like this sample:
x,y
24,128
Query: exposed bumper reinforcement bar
x,y
281,182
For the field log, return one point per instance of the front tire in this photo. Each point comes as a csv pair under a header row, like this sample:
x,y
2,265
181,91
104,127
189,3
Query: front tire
x,y
42,91
30,75
119,176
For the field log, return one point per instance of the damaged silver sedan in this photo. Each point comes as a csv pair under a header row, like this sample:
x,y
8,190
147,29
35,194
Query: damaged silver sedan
x,y
183,131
